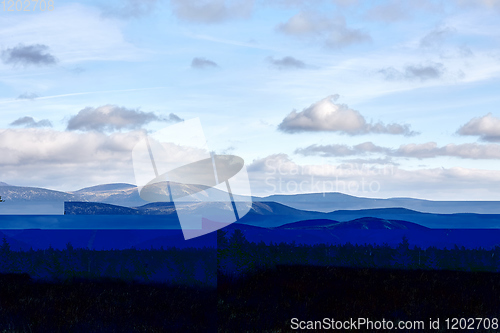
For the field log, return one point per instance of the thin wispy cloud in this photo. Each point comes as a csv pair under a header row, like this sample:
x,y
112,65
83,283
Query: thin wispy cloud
x,y
210,12
339,150
436,37
331,31
132,8
421,72
388,12
28,96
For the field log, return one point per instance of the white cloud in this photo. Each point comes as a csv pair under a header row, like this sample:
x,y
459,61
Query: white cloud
x,y
325,115
71,160
486,127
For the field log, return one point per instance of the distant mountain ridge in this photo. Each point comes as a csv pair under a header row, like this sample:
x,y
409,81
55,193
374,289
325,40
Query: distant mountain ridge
x,y
120,194
105,187
127,195
363,223
332,201
272,214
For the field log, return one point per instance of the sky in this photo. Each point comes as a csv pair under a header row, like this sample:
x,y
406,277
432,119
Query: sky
x,y
370,98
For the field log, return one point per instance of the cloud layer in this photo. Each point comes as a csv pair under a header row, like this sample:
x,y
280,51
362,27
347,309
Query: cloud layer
x,y
327,116
278,173
420,151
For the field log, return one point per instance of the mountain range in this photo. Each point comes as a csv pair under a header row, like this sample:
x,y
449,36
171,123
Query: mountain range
x,y
304,218
272,214
127,195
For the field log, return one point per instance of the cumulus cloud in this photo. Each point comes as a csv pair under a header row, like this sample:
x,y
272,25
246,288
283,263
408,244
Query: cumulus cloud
x,y
70,160
414,150
422,72
25,55
327,116
333,32
32,146
202,63
30,122
27,95
112,117
212,11
286,63
486,127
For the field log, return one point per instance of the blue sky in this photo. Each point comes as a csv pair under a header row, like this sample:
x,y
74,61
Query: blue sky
x,y
402,95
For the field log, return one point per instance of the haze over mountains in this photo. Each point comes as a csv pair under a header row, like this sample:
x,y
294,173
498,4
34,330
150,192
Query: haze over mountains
x,y
127,195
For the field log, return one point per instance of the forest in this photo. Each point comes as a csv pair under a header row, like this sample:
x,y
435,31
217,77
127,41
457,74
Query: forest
x,y
256,286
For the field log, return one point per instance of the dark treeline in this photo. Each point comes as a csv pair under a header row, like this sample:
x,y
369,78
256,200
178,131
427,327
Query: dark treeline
x,y
82,290
261,287
266,299
237,255
103,305
171,265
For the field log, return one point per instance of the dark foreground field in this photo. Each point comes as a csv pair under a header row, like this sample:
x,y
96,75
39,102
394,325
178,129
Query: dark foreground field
x,y
267,299
103,305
